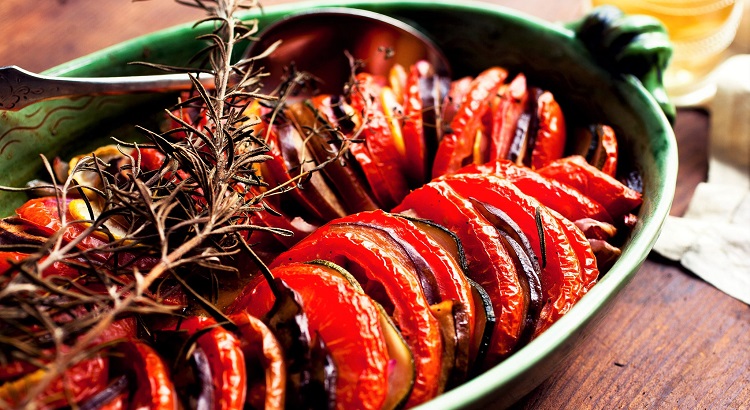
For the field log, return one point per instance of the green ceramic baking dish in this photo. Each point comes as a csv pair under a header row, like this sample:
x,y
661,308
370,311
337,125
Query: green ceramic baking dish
x,y
601,68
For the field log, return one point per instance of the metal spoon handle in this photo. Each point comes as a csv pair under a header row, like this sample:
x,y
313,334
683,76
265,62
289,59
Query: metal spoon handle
x,y
19,88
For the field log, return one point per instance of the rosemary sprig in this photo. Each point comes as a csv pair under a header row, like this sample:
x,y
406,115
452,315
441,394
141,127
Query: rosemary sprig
x,y
150,234
176,224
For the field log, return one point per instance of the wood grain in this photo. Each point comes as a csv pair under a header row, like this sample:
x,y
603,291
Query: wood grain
x,y
669,340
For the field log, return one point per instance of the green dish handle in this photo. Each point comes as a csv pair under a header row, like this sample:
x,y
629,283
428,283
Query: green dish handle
x,y
629,44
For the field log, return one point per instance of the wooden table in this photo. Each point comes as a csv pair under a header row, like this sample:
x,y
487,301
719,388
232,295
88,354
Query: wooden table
x,y
669,340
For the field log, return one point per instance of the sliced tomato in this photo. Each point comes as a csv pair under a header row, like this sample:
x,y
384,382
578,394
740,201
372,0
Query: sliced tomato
x,y
386,274
7,259
367,153
298,227
413,126
561,269
225,359
565,199
365,90
313,198
378,181
582,248
618,199
524,259
598,144
549,142
45,215
264,357
346,320
148,375
379,139
124,328
435,268
401,369
456,94
79,382
609,147
505,119
490,264
47,212
457,147
151,159
322,143
274,218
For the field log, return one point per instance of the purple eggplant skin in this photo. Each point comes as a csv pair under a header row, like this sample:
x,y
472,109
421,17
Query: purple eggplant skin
x,y
527,265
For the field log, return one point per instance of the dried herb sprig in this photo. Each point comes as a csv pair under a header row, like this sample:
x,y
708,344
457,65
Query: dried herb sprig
x,y
146,230
148,235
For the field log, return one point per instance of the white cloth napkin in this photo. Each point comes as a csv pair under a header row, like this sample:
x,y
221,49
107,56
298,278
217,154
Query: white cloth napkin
x,y
712,239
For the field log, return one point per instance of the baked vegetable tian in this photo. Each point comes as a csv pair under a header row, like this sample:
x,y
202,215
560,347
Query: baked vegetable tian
x,y
367,250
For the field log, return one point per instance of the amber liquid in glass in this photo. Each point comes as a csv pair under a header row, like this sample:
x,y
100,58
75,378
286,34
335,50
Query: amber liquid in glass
x,y
701,31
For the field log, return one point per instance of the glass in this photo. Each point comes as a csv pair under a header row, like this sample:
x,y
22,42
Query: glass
x,y
701,31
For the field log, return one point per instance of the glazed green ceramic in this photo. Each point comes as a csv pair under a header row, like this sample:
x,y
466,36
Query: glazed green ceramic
x,y
596,77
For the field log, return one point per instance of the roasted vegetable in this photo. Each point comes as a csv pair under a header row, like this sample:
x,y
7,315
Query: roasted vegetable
x,y
356,307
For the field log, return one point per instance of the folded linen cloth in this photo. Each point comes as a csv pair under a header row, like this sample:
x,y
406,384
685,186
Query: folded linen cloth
x,y
712,239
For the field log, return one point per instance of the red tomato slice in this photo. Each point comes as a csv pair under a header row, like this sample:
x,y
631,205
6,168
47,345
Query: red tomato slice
x,y
79,382
609,146
457,146
564,199
372,167
124,328
148,374
505,115
262,350
388,277
456,94
413,126
449,279
43,213
57,268
298,227
582,248
562,272
549,143
317,201
346,320
322,143
375,178
617,198
379,139
274,218
226,360
151,159
490,265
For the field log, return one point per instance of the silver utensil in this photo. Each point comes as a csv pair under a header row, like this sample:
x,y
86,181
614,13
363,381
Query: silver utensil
x,y
315,41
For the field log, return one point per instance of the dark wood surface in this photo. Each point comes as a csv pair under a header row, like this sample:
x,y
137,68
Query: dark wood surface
x,y
669,340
